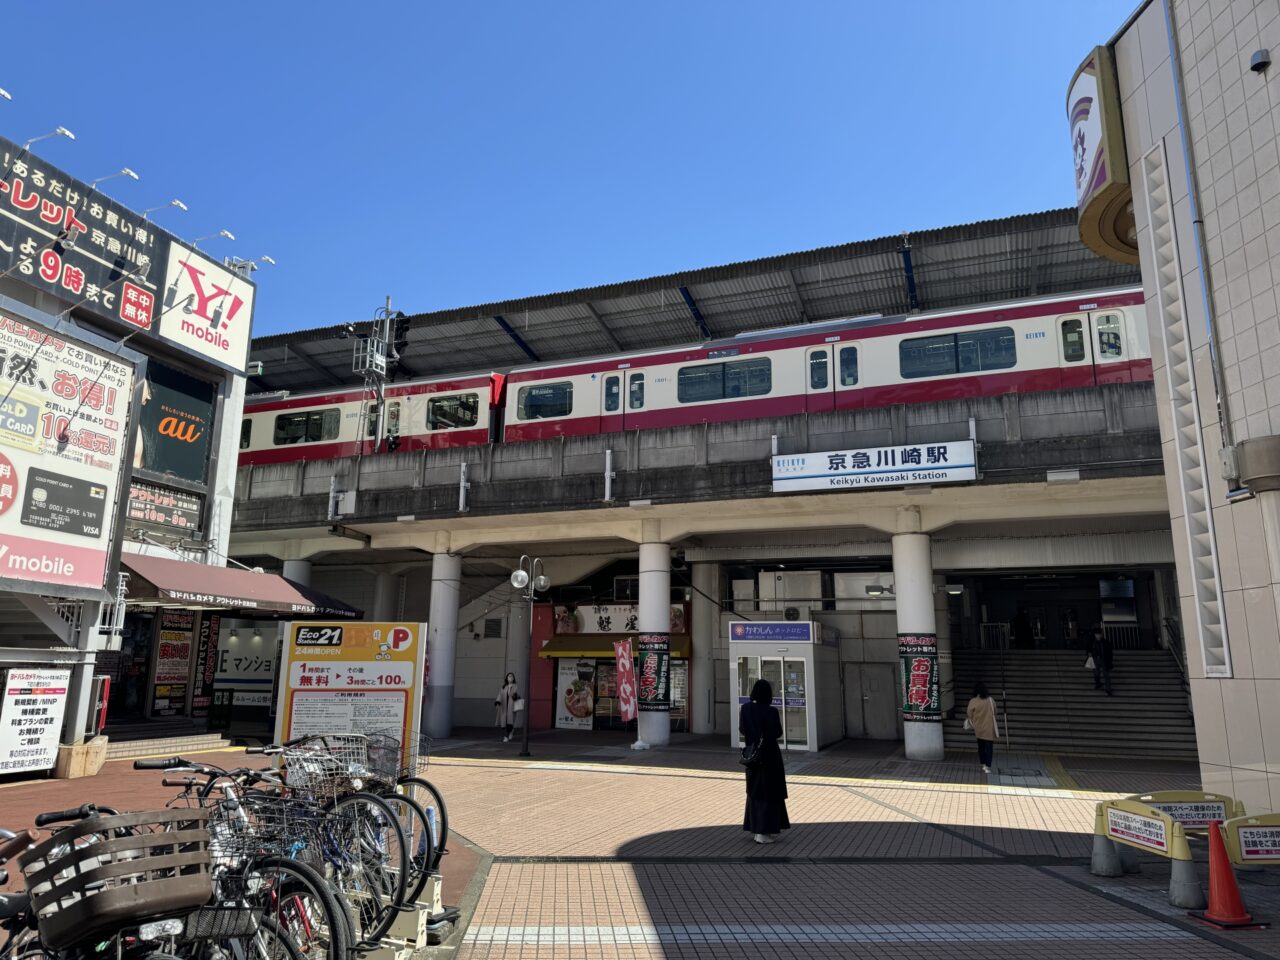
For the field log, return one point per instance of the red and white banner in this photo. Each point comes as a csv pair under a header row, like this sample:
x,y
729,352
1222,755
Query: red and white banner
x,y
626,679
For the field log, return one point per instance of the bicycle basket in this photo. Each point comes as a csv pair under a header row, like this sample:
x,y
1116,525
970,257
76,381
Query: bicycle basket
x,y
222,921
327,767
104,874
386,752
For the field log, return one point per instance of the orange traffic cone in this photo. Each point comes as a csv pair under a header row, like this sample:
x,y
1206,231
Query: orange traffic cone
x,y
1226,908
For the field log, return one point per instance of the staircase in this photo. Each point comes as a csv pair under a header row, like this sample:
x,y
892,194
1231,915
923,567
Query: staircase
x,y
1049,704
162,736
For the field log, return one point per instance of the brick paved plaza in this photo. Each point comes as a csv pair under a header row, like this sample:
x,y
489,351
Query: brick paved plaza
x,y
589,850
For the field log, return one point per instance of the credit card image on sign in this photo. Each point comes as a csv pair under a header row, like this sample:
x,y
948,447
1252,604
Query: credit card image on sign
x,y
64,504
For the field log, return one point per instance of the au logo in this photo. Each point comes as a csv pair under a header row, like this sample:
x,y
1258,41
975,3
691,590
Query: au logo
x,y
180,430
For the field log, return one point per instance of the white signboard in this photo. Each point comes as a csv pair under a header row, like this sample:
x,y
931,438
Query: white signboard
x,y
206,308
951,462
1260,843
1137,830
64,424
575,694
611,618
31,718
351,711
247,665
1194,814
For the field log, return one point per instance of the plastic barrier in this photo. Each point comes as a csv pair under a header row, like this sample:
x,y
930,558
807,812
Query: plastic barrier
x,y
1194,809
1123,825
1254,841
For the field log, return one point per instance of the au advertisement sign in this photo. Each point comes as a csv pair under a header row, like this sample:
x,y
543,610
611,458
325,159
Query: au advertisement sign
x,y
64,427
951,462
31,718
65,237
175,425
352,678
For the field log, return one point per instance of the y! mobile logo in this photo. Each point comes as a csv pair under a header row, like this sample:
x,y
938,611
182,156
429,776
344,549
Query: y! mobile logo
x,y
208,303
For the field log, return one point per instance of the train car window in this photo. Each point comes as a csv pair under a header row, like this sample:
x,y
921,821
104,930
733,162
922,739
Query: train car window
x,y
307,426
818,378
848,366
393,419
635,397
1073,340
981,350
703,382
927,356
748,378
545,400
463,410
246,433
1110,343
612,394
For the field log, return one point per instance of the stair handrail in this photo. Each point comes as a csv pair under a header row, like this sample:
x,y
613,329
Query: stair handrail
x,y
1177,649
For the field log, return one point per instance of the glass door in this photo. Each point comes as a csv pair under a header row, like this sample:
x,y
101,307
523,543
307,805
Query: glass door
x,y
788,678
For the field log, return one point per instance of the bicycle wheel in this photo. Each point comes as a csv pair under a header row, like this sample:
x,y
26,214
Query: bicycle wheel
x,y
272,943
299,900
366,858
417,833
424,793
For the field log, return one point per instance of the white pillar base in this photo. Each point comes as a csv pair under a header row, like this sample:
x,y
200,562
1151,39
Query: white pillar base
x,y
923,740
639,745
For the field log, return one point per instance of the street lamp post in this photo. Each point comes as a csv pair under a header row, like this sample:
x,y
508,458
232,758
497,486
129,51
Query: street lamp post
x,y
530,580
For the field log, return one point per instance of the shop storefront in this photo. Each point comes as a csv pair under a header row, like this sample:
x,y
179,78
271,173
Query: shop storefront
x,y
585,680
181,647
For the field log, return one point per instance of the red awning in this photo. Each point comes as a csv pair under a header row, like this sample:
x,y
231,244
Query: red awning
x,y
266,595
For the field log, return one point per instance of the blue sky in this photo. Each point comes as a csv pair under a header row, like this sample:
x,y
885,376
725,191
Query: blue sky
x,y
462,153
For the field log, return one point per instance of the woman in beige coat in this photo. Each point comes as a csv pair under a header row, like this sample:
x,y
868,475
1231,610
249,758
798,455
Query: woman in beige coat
x,y
980,717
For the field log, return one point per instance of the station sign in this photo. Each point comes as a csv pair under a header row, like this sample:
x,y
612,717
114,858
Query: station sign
x,y
64,237
903,466
352,678
31,718
65,425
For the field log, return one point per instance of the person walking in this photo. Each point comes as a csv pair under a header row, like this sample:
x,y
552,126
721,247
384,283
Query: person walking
x,y
759,723
980,717
508,704
1103,651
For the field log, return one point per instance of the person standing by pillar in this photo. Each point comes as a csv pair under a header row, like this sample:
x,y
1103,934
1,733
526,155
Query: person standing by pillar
x,y
766,814
980,717
508,704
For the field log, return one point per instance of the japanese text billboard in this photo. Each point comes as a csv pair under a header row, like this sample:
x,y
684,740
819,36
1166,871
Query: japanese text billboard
x,y
64,430
65,237
352,678
918,658
951,462
653,651
31,718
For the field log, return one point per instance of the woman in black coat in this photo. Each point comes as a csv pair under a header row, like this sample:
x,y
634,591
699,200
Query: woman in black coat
x,y
758,722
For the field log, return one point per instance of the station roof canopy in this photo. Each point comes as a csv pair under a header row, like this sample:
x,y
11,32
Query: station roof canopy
x,y
1032,255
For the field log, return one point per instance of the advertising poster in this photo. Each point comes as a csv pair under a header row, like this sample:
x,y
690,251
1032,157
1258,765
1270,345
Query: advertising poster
x,y
64,424
175,425
626,680
352,678
173,662
575,694
653,651
63,236
918,659
247,664
206,663
31,718
679,689
164,507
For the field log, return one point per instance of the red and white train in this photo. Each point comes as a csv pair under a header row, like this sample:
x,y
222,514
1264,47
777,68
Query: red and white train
x,y
1049,343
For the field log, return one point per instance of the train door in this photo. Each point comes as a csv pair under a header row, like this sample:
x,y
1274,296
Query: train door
x,y
611,416
820,383
1075,351
635,398
1110,347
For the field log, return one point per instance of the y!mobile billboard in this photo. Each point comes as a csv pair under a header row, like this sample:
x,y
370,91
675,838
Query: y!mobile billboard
x,y
61,235
64,433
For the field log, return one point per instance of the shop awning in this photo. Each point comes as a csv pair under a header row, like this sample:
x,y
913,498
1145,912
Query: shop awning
x,y
178,583
599,646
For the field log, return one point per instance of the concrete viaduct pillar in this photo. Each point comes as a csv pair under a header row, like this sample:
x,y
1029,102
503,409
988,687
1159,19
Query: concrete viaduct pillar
x,y
442,638
299,571
653,727
386,597
704,633
917,628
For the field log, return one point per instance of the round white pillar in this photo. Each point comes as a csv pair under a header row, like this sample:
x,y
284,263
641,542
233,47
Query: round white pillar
x,y
442,638
702,664
653,727
913,593
386,597
519,646
299,571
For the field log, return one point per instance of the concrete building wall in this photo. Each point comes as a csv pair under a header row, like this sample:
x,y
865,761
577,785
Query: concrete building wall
x,y
1228,569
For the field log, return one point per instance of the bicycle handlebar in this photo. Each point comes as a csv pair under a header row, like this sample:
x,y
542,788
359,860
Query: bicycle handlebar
x,y
82,812
160,763
16,844
184,782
